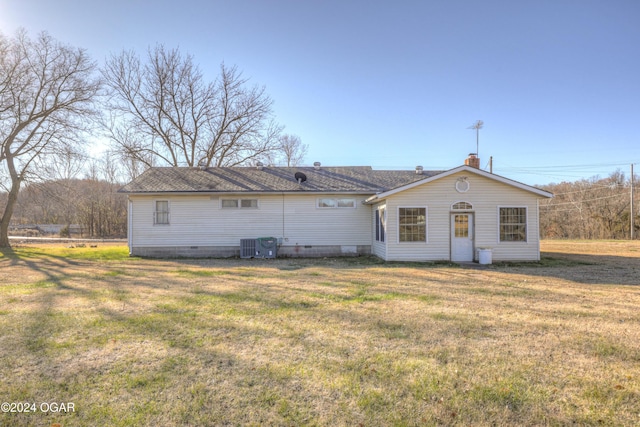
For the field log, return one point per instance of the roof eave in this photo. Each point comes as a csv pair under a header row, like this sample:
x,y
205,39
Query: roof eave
x,y
372,199
222,193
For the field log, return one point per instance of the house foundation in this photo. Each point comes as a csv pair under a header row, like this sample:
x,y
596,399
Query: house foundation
x,y
308,251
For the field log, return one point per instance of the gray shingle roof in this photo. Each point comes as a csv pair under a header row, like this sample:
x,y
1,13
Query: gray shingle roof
x,y
357,179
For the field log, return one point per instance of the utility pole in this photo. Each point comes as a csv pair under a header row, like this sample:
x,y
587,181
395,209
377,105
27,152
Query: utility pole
x,y
631,212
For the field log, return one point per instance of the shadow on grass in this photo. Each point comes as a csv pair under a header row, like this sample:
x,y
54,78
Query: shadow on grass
x,y
294,264
580,268
10,254
50,269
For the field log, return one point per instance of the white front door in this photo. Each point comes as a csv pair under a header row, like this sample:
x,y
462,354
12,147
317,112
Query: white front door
x,y
462,237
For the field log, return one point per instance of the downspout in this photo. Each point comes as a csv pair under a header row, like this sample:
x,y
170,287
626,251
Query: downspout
x,y
283,223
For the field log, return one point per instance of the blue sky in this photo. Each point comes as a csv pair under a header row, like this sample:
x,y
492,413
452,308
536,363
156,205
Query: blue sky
x,y
396,84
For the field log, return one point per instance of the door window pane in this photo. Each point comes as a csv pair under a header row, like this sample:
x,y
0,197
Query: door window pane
x,y
461,224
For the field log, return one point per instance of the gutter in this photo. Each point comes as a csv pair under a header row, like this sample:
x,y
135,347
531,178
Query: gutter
x,y
240,193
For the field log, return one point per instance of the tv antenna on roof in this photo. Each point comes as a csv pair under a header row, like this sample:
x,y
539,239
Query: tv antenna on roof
x,y
477,126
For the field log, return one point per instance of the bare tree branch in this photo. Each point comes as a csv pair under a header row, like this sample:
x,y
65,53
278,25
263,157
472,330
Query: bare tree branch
x,y
167,113
46,98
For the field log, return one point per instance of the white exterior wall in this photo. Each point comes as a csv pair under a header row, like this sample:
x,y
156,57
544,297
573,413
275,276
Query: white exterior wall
x,y
377,248
199,220
486,196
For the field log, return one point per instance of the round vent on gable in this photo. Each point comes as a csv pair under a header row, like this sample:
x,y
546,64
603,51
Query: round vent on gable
x,y
462,185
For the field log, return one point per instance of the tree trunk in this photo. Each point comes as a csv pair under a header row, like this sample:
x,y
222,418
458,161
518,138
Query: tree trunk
x,y
8,212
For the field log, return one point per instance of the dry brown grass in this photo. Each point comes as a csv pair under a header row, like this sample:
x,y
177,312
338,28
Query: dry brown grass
x,y
322,342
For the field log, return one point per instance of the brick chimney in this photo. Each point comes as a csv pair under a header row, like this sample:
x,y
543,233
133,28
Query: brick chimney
x,y
472,161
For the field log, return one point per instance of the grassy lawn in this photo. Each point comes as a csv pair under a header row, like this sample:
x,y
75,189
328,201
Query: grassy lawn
x,y
138,342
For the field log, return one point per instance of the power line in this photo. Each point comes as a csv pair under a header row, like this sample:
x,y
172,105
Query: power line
x,y
550,204
562,167
591,188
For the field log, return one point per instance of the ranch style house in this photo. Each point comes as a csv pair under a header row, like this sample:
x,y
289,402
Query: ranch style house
x,y
397,215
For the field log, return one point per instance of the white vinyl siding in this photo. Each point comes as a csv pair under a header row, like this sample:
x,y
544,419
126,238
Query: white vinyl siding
x,y
199,220
485,195
309,225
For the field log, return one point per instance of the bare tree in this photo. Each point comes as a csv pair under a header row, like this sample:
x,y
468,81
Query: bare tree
x,y
46,94
63,173
101,210
292,149
165,112
289,151
595,208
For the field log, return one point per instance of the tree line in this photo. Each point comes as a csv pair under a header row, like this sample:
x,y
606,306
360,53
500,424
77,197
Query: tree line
x,y
83,207
154,109
87,206
595,208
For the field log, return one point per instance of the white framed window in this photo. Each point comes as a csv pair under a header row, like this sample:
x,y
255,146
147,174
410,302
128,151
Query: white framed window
x,y
249,203
346,203
229,203
161,212
326,203
335,203
239,203
380,223
462,206
412,224
513,224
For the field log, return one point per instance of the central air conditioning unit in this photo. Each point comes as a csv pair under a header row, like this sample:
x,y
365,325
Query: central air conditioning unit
x,y
263,247
247,248
267,246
